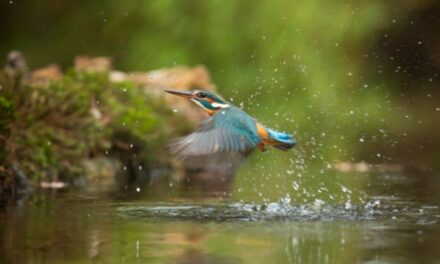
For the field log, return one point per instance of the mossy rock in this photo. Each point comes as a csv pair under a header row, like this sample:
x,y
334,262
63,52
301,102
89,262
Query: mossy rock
x,y
82,116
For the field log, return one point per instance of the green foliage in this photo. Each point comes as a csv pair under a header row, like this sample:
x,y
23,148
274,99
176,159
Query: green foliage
x,y
6,117
132,110
6,114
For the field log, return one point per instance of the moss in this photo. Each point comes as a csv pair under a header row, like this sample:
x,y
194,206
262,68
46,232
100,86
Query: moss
x,y
6,114
81,116
6,117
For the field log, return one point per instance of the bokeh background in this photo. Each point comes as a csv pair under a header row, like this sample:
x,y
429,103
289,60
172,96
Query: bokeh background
x,y
353,80
357,82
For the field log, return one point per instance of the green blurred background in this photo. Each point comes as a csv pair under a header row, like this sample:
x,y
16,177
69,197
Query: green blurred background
x,y
353,80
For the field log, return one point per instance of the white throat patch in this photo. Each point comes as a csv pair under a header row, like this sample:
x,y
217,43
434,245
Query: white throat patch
x,y
220,105
216,105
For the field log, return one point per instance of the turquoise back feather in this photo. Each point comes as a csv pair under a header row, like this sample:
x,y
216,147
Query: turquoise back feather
x,y
286,141
238,122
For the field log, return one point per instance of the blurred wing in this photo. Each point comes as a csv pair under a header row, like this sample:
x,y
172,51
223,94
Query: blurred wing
x,y
209,140
221,133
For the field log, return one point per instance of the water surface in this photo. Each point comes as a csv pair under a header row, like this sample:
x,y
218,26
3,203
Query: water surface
x,y
393,225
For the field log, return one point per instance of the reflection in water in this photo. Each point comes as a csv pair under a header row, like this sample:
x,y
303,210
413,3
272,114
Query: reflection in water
x,y
81,229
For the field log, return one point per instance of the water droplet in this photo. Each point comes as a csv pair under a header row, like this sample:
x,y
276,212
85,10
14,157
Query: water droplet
x,y
317,204
137,249
295,185
294,242
348,205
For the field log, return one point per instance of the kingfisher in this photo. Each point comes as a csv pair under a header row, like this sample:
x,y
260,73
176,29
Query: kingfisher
x,y
227,130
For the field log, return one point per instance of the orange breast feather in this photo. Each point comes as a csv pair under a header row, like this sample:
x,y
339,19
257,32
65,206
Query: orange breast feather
x,y
262,132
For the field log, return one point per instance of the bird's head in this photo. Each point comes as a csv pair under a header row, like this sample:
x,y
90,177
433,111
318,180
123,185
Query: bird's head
x,y
209,101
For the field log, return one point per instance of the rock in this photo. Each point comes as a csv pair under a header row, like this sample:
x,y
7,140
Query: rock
x,y
45,75
92,64
118,76
183,78
53,185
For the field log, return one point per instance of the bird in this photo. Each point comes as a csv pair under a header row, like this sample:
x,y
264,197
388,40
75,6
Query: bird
x,y
229,131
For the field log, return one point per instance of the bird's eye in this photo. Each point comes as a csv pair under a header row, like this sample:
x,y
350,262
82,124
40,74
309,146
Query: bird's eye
x,y
202,95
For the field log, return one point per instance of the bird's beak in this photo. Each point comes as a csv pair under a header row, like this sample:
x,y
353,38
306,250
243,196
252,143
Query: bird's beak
x,y
187,94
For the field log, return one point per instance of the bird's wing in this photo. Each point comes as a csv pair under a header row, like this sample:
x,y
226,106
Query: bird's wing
x,y
223,132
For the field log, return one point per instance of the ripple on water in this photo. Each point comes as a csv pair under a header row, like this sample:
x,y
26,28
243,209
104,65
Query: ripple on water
x,y
283,210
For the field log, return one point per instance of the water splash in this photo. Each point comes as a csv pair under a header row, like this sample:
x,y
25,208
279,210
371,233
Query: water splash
x,y
284,210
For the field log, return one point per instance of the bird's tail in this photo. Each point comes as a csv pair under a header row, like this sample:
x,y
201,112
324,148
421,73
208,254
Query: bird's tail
x,y
282,141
